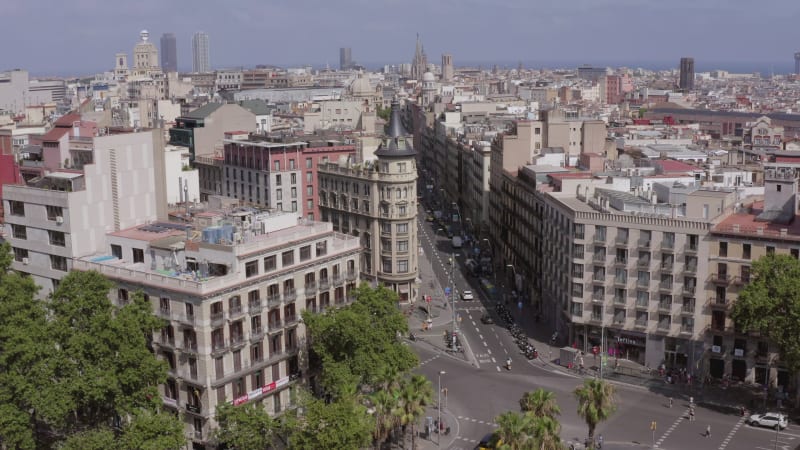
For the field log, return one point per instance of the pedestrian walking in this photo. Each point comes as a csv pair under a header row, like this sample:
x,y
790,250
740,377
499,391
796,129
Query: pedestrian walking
x,y
670,402
708,430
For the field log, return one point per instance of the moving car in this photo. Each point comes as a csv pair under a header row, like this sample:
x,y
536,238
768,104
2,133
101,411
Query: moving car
x,y
489,442
467,295
487,319
770,420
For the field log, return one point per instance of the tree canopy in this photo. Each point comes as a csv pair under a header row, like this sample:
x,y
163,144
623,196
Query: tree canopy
x,y
596,403
343,423
75,368
357,345
770,305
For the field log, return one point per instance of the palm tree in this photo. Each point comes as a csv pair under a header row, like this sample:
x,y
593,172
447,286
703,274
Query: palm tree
x,y
546,432
540,403
387,405
415,394
596,403
514,430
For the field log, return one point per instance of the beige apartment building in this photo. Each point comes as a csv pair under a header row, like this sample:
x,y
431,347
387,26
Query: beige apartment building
x,y
628,274
757,229
376,200
232,288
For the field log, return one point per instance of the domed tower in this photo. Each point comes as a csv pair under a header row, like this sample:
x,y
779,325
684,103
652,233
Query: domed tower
x,y
428,88
361,89
397,221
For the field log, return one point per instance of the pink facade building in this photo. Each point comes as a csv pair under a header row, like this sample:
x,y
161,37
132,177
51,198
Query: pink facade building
x,y
279,175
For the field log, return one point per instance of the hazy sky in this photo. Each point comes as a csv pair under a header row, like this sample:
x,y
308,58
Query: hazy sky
x,y
82,36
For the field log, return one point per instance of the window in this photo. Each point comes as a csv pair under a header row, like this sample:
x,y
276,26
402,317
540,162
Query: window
x,y
305,253
294,205
401,167
138,255
20,254
279,194
723,249
57,238
322,248
402,246
294,178
770,250
401,210
270,263
386,227
58,263
287,258
278,167
745,274
795,253
251,269
746,251
309,163
387,265
309,191
402,266
294,192
19,231
291,165
116,251
53,212
402,228
16,208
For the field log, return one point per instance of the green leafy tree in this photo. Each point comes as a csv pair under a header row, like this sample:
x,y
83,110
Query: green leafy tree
x,y
357,345
387,408
153,431
770,305
72,366
540,403
247,427
596,403
514,431
102,438
343,423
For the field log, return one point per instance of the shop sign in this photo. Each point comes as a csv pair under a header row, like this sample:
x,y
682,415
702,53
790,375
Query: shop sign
x,y
255,393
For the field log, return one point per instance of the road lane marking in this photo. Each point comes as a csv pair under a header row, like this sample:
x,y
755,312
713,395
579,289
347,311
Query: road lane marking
x,y
480,336
498,368
489,351
728,438
485,344
494,360
475,324
671,428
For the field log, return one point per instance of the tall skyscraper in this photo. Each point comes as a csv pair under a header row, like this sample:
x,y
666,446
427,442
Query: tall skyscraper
x,y
345,58
169,53
447,67
686,82
797,63
201,62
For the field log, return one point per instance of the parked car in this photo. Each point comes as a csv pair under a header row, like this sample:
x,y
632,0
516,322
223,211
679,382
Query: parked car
x,y
467,295
770,420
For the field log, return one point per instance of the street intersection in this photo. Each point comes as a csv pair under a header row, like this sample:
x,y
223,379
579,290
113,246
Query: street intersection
x,y
479,387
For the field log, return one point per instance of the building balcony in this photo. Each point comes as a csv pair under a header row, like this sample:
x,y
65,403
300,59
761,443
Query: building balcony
x,y
620,300
621,241
351,275
667,246
237,341
599,257
275,325
185,319
599,278
197,410
690,248
690,268
235,312
255,307
165,342
687,329
640,324
643,263
663,326
324,284
256,334
291,320
217,319
621,262
310,287
600,239
739,281
643,244
720,303
188,347
667,266
598,297
618,321
687,310
720,278
220,347
643,283
689,289
666,286
273,300
289,295
596,318
338,279
642,304
620,281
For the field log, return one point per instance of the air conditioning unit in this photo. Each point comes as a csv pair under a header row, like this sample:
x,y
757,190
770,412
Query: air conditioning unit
x,y
25,261
59,219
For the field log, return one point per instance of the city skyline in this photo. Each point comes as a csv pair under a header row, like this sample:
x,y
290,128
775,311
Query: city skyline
x,y
709,32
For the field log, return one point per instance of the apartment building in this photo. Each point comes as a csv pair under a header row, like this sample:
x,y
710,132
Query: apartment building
x,y
232,288
203,129
760,228
277,174
112,182
628,274
377,201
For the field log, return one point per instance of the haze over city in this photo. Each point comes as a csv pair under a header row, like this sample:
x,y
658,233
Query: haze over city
x,y
81,37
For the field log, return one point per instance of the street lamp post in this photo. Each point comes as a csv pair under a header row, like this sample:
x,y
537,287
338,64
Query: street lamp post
x,y
439,409
451,282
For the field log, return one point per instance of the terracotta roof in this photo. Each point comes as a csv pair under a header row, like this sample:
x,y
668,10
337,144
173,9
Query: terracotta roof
x,y
670,165
68,120
746,224
55,134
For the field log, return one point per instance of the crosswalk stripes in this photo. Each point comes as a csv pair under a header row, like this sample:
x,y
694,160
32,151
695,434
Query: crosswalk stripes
x,y
473,420
671,428
429,360
728,438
